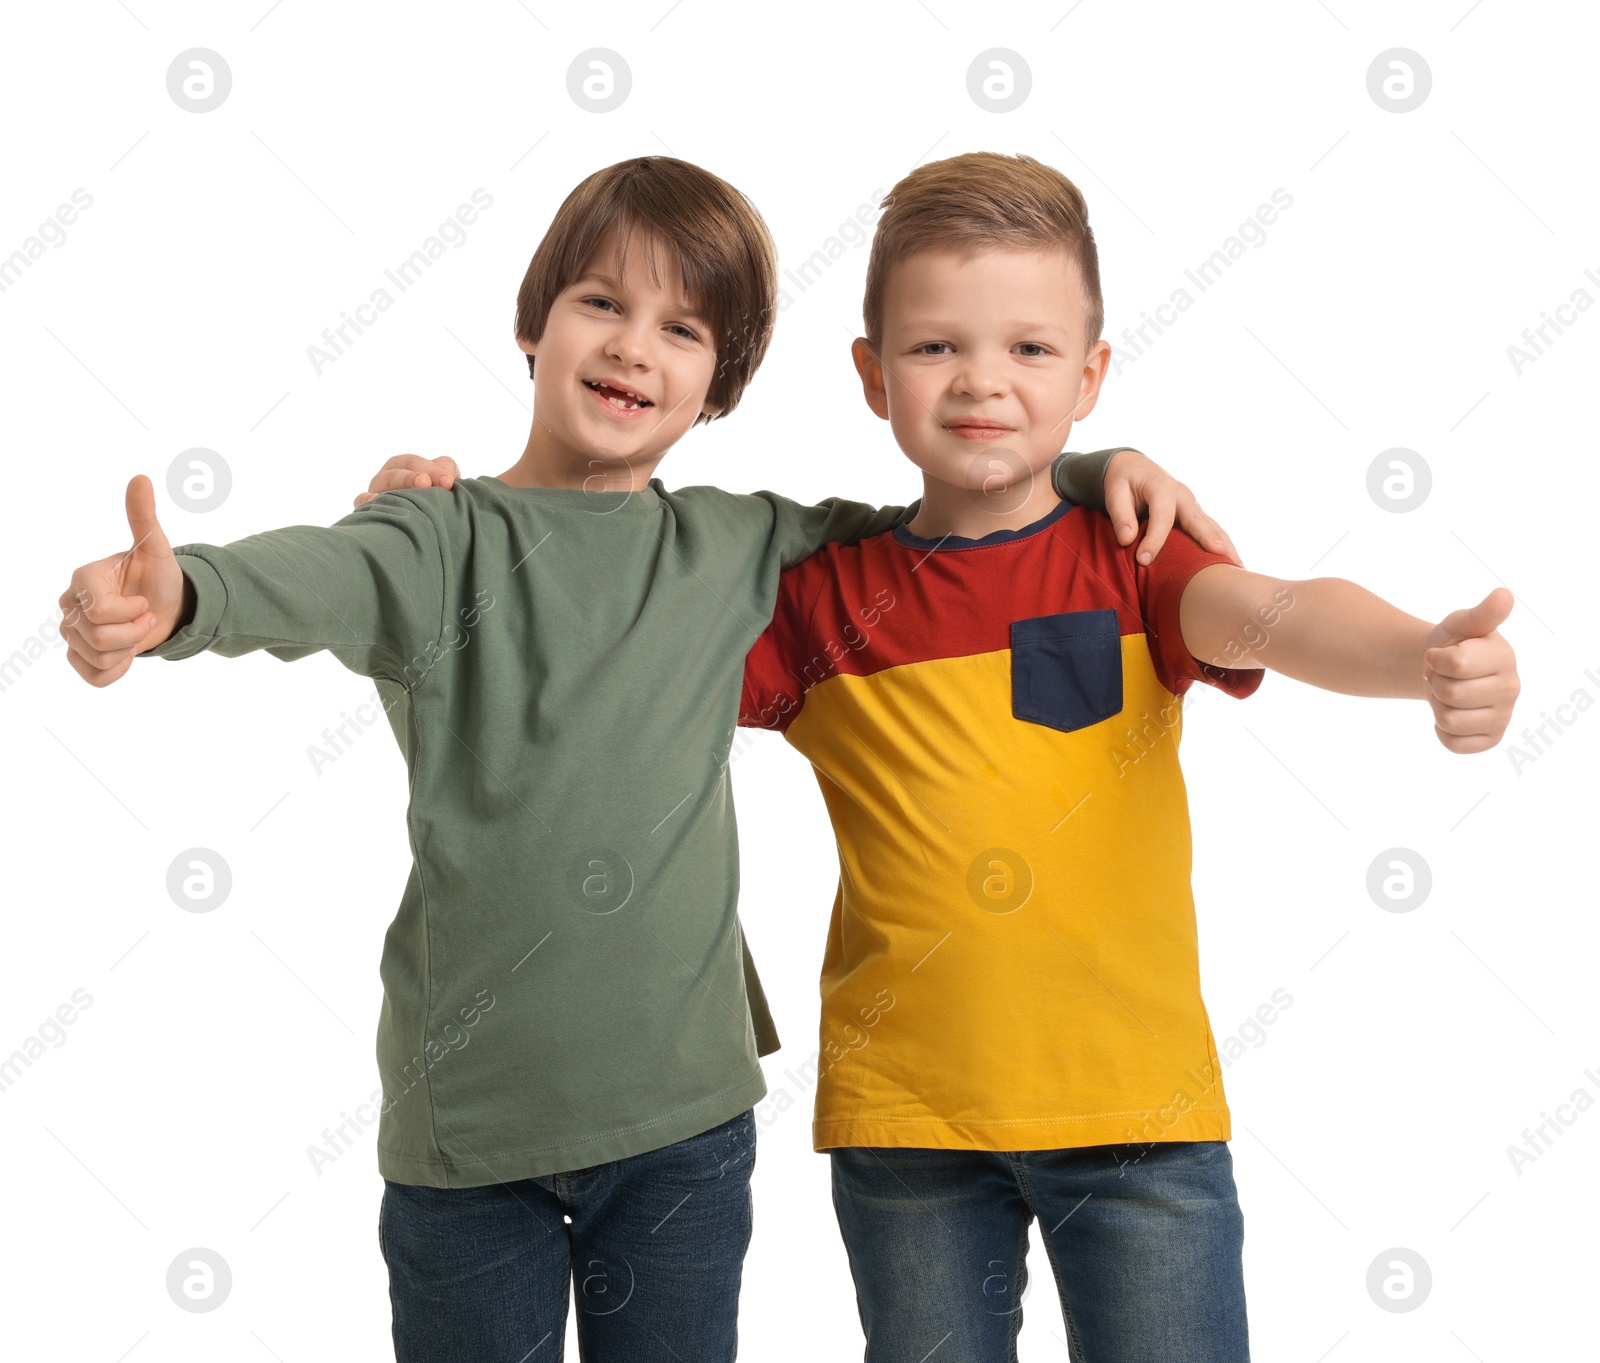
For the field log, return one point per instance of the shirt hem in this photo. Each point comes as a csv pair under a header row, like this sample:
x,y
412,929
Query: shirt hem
x,y
1028,1133
583,1152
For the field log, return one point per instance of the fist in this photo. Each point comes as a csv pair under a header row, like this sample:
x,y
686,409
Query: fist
x,y
1471,675
118,607
410,470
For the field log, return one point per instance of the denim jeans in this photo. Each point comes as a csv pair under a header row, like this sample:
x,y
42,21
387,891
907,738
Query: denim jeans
x,y
1144,1241
654,1243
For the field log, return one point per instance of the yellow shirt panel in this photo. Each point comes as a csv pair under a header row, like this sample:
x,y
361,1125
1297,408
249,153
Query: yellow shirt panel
x,y
1030,920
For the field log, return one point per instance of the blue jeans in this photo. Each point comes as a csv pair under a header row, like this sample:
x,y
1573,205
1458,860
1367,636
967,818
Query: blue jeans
x,y
1145,1243
654,1242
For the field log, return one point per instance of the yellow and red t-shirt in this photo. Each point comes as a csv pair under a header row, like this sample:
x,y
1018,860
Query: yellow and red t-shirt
x,y
1012,961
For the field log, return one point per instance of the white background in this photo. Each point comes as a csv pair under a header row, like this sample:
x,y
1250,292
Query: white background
x,y
1378,1110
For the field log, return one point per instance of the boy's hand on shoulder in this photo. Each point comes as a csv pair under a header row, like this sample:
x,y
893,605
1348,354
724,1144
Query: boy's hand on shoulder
x,y
118,607
1135,483
407,471
1471,675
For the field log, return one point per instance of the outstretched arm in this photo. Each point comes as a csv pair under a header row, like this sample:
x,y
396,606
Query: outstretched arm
x,y
370,589
1336,635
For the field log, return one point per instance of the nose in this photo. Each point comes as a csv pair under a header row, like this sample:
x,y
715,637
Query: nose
x,y
981,375
629,344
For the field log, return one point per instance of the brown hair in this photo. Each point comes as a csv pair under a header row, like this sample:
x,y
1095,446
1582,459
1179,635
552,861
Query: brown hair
x,y
983,200
719,242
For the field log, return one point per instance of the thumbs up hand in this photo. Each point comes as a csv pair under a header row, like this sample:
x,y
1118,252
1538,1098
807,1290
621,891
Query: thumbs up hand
x,y
120,606
1471,675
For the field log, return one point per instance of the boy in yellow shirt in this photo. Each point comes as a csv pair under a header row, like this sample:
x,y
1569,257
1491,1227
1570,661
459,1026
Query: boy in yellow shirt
x,y
989,693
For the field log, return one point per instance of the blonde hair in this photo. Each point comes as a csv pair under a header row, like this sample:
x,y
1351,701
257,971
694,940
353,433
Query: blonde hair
x,y
983,200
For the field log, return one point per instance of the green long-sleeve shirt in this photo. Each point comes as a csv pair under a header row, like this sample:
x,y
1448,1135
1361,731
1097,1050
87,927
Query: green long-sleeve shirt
x,y
565,982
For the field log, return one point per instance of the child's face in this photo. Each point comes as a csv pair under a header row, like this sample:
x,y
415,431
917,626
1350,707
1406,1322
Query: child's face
x,y
982,362
625,361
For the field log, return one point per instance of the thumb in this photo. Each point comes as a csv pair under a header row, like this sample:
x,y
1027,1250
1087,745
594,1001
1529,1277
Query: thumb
x,y
148,536
1483,619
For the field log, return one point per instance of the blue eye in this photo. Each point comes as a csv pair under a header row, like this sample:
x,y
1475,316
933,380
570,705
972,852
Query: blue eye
x,y
933,347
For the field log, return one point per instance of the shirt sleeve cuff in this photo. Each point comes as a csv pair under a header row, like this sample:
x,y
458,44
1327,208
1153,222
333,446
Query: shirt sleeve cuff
x,y
1185,668
210,600
1080,478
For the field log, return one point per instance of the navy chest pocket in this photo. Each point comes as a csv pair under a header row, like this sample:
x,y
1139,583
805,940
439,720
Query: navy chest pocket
x,y
1066,670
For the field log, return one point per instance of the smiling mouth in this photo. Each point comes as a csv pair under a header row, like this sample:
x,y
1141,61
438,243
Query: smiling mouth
x,y
623,399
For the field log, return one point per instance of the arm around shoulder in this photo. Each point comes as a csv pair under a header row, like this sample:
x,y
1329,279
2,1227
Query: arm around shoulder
x,y
798,531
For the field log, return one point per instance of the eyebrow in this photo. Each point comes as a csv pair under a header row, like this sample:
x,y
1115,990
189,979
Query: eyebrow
x,y
682,305
946,324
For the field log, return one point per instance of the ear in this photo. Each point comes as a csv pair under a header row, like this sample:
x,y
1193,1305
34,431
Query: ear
x,y
870,367
527,347
1095,366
